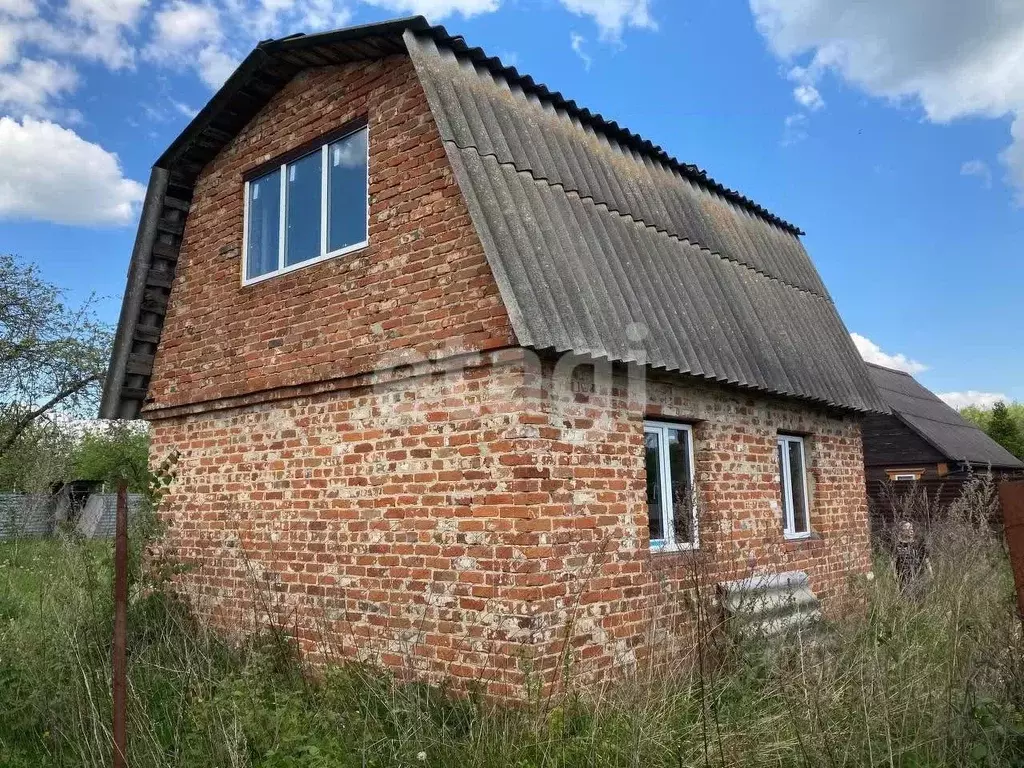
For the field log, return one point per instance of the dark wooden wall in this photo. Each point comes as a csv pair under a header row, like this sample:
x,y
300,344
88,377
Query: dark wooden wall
x,y
889,443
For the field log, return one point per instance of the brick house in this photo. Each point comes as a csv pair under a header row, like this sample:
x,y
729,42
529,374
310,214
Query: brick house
x,y
465,378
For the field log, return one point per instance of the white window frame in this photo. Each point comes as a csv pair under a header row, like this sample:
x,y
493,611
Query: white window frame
x,y
669,543
283,269
905,476
789,528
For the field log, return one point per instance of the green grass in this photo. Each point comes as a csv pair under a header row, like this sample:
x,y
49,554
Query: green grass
x,y
937,680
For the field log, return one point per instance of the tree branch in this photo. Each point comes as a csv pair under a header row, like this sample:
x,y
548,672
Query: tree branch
x,y
25,421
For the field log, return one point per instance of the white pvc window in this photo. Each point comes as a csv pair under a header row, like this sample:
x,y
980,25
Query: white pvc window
x,y
796,521
307,210
671,502
905,477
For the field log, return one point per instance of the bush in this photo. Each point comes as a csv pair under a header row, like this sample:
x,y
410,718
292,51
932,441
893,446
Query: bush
x,y
926,677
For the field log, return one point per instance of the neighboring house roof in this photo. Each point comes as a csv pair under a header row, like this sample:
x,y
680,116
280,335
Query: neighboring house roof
x,y
941,426
600,242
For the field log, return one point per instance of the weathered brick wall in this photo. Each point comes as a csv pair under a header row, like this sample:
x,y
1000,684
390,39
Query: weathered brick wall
x,y
387,521
607,594
422,283
468,525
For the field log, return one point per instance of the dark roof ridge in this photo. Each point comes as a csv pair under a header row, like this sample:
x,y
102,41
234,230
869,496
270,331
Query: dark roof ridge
x,y
891,370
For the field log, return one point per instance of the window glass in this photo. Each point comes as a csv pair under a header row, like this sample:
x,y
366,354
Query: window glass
x,y
792,486
347,192
264,234
670,507
796,482
682,496
302,218
655,514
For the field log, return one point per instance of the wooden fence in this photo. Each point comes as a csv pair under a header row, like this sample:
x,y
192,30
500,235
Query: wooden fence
x,y
1011,497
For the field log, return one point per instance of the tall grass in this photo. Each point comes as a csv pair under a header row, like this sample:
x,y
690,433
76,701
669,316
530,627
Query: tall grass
x,y
929,677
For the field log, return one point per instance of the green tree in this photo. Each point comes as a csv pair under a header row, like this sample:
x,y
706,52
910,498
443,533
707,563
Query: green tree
x,y
980,417
53,356
40,458
1004,430
118,452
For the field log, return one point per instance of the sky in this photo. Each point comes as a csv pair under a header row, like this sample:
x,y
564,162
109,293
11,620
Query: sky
x,y
891,131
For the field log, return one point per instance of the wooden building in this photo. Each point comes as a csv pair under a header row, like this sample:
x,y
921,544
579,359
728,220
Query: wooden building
x,y
923,440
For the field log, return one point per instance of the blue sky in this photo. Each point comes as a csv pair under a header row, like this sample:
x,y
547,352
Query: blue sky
x,y
891,131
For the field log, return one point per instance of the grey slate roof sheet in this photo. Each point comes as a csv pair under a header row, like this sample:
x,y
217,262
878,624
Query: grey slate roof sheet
x,y
475,109
601,250
925,413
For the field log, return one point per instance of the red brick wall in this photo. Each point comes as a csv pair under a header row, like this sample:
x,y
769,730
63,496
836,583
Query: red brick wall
x,y
422,283
620,603
467,525
387,521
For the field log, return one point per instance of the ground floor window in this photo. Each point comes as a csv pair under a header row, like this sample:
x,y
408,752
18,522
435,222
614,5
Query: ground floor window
x,y
671,508
796,521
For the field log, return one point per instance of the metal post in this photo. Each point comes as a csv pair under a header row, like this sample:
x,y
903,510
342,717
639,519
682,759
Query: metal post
x,y
120,660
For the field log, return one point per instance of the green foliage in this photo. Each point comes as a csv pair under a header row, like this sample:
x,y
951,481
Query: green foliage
x,y
932,680
119,452
1007,428
978,416
1004,430
39,458
52,355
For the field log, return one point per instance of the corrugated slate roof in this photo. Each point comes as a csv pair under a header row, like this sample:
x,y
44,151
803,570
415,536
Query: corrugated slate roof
x,y
951,434
605,251
591,230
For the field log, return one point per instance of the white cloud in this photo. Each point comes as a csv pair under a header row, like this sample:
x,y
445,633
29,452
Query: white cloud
x,y
17,9
613,16
977,168
808,96
93,30
577,42
104,13
188,34
215,66
184,109
954,58
872,353
435,10
794,129
8,44
183,27
983,400
805,92
31,87
52,174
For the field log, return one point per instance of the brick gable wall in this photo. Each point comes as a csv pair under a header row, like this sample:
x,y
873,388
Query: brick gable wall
x,y
422,284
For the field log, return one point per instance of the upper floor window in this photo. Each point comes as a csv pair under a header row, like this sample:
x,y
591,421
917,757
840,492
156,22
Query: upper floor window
x,y
796,521
671,507
308,209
